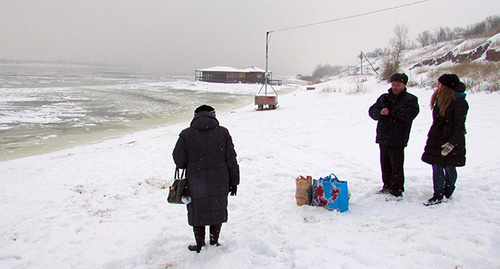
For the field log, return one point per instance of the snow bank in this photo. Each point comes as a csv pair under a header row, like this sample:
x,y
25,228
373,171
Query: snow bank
x,y
103,205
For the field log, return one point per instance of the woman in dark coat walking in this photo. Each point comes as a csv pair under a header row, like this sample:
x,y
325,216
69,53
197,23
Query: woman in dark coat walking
x,y
207,152
445,147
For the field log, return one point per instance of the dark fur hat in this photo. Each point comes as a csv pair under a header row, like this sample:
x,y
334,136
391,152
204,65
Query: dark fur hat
x,y
401,77
204,108
449,80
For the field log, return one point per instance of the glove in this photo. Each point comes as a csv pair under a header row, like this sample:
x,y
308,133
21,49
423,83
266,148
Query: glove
x,y
447,148
232,190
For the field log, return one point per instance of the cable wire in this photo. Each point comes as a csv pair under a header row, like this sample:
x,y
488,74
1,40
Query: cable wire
x,y
350,17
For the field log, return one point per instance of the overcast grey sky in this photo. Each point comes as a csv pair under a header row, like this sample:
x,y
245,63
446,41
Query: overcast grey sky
x,y
179,36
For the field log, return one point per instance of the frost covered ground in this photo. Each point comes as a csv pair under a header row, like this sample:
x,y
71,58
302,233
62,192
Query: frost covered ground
x,y
102,205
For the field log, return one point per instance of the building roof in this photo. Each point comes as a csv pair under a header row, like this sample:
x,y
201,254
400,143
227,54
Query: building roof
x,y
254,69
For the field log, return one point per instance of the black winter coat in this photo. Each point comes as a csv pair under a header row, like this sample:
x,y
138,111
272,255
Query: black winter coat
x,y
394,129
206,150
450,128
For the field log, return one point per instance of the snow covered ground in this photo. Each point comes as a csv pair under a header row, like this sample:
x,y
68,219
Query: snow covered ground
x,y
102,205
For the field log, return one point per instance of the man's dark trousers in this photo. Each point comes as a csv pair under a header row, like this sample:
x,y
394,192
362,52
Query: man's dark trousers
x,y
392,160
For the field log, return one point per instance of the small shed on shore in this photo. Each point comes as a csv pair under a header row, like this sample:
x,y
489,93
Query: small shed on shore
x,y
226,74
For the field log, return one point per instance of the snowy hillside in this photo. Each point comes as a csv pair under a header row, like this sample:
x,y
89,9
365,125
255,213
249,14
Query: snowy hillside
x,y
475,60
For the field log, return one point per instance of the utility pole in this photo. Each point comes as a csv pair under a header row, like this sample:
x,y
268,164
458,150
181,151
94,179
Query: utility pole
x,y
361,58
363,55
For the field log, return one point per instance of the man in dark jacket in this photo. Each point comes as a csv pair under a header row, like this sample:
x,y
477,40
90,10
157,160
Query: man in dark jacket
x,y
395,112
207,152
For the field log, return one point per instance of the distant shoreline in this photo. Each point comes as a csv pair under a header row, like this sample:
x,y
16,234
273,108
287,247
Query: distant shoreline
x,y
65,63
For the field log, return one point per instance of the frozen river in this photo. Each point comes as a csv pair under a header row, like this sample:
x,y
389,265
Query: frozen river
x,y
43,108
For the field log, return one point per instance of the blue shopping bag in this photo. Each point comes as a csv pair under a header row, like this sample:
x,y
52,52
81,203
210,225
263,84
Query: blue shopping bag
x,y
331,193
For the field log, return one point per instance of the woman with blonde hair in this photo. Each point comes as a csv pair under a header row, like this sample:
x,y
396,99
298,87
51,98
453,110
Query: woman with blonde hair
x,y
445,147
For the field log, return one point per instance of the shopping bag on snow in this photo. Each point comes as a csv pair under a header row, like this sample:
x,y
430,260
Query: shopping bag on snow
x,y
331,193
178,193
303,192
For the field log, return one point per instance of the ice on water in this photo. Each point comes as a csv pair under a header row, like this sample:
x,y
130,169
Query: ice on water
x,y
42,107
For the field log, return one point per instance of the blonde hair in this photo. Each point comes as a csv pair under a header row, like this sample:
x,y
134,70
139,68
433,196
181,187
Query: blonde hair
x,y
443,98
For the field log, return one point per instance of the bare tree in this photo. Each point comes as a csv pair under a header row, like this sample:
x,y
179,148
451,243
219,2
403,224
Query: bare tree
x,y
326,70
400,41
398,44
476,29
424,38
444,34
377,53
493,22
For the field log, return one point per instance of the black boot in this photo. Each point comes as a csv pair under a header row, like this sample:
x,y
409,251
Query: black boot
x,y
448,191
199,236
435,199
214,234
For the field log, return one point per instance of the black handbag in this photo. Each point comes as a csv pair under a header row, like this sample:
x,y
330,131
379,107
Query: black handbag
x,y
178,190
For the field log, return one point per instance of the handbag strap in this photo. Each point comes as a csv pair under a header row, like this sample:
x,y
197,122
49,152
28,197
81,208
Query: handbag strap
x,y
334,177
330,178
176,175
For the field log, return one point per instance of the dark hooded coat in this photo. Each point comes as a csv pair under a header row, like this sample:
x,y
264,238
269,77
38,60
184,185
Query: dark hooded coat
x,y
206,150
448,128
394,129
